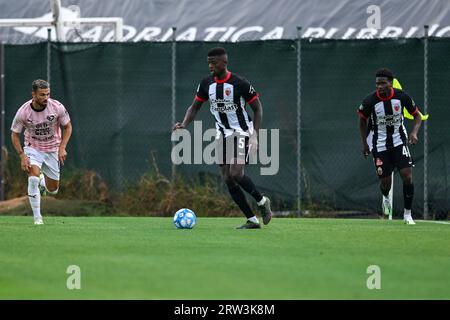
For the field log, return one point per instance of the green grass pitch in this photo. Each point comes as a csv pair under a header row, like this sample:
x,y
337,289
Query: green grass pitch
x,y
148,258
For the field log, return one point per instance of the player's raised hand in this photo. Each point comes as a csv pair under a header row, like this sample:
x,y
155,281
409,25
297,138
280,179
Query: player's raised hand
x,y
178,125
413,138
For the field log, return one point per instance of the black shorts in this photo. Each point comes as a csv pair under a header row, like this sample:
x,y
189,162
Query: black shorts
x,y
234,149
385,161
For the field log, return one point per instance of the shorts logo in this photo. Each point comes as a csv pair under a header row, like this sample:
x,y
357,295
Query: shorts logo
x,y
51,118
227,92
379,171
379,162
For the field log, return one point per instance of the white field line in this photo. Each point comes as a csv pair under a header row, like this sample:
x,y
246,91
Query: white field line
x,y
440,222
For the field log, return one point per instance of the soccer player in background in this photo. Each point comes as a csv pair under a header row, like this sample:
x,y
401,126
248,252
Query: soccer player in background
x,y
386,137
44,147
396,85
236,132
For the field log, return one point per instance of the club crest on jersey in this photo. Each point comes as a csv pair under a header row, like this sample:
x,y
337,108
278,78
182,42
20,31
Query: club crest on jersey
x,y
227,92
379,162
50,118
396,108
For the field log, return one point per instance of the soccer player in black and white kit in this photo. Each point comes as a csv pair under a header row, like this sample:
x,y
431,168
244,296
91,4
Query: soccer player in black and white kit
x,y
386,137
228,94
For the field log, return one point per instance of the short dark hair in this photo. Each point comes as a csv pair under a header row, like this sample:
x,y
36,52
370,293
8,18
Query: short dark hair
x,y
385,72
40,84
218,51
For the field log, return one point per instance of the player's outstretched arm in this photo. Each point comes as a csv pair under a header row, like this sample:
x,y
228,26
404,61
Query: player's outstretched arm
x,y
191,112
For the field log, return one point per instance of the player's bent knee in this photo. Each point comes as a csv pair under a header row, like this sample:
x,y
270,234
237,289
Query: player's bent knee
x,y
385,186
33,181
386,183
407,180
236,173
229,181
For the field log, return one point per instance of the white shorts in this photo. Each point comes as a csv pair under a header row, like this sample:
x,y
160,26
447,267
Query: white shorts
x,y
46,161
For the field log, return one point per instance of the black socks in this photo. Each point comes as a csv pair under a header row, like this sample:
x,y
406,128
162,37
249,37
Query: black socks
x,y
408,195
239,197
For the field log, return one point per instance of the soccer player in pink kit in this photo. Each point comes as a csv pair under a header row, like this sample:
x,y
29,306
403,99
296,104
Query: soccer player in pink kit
x,y
44,147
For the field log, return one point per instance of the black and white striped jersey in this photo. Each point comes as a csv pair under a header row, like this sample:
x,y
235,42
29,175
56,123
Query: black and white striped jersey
x,y
227,99
386,129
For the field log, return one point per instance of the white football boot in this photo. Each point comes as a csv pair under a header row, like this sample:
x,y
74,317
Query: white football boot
x,y
408,219
38,222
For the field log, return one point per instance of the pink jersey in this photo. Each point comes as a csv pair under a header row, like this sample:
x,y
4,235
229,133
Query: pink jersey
x,y
42,127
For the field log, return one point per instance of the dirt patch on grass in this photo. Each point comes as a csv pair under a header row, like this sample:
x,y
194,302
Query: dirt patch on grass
x,y
51,206
13,204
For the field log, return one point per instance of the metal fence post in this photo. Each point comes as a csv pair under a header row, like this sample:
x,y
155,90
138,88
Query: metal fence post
x,y
425,125
49,54
174,91
299,114
2,121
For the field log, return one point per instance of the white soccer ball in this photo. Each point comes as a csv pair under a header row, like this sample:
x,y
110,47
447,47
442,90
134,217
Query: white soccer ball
x,y
184,219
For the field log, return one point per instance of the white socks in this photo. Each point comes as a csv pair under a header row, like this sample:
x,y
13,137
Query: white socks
x,y
263,200
35,197
407,213
253,219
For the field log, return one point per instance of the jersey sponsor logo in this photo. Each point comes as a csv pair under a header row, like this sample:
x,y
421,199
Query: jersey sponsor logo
x,y
389,120
223,106
44,139
42,129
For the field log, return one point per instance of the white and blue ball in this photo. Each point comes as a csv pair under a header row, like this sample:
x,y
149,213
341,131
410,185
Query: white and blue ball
x,y
184,219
